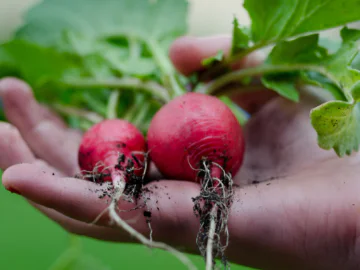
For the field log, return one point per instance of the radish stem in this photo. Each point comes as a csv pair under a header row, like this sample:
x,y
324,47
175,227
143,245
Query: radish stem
x,y
112,104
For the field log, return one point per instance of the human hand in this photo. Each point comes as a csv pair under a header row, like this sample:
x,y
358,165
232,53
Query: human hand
x,y
304,217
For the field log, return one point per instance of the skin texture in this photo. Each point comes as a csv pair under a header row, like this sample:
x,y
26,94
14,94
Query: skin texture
x,y
306,217
190,127
105,141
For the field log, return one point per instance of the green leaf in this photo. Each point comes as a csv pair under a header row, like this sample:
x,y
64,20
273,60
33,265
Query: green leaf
x,y
276,20
331,44
355,92
338,65
213,59
110,28
283,85
97,20
337,124
322,82
298,51
356,62
35,64
306,55
240,38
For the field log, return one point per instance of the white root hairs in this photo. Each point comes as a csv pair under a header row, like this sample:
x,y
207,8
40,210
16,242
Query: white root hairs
x,y
218,194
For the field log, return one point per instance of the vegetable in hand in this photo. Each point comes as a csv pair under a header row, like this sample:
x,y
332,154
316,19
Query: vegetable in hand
x,y
112,149
192,127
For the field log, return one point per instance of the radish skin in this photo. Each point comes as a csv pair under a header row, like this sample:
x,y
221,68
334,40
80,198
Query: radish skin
x,y
109,143
191,127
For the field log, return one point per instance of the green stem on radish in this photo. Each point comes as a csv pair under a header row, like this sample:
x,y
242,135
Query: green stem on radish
x,y
85,125
133,84
235,76
134,48
112,105
138,120
73,111
94,104
135,108
166,68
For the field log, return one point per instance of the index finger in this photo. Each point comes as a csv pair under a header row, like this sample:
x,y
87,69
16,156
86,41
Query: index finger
x,y
187,53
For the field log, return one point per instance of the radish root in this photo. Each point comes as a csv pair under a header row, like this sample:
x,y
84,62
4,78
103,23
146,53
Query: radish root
x,y
212,206
209,248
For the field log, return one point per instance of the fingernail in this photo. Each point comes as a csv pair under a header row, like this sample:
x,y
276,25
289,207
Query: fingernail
x,y
13,190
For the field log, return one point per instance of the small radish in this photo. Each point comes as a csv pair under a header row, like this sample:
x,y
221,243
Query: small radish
x,y
110,147
114,151
196,137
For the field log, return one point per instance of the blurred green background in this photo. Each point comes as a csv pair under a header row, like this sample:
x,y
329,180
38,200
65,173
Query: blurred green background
x,y
29,240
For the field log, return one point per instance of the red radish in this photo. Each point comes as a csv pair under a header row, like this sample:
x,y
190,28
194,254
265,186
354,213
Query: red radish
x,y
191,127
109,147
197,137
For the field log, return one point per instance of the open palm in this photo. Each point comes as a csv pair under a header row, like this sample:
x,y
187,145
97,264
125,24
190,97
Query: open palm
x,y
297,206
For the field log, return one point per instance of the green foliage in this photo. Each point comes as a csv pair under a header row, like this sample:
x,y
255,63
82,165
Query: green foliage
x,y
93,21
240,38
74,56
214,59
276,20
283,85
337,124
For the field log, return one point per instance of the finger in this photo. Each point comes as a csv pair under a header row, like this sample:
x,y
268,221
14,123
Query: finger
x,y
80,228
49,140
169,202
51,116
13,149
187,53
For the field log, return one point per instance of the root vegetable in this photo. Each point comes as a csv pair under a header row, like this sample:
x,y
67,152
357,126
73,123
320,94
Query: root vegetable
x,y
112,149
196,137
